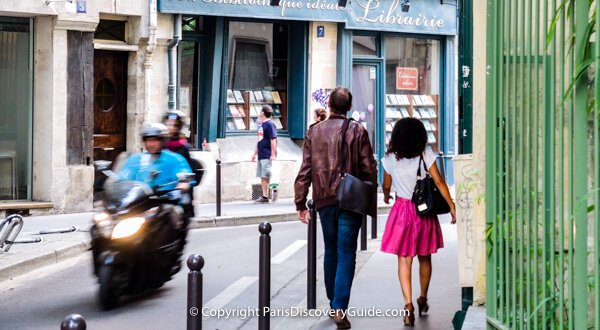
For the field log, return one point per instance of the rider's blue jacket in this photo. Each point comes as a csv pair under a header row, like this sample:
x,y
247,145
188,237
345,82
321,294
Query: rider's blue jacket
x,y
139,167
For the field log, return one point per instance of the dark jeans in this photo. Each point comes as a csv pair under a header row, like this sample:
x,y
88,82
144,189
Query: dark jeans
x,y
340,233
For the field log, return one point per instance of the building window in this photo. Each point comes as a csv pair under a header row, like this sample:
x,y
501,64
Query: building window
x,y
15,109
193,23
110,30
413,84
364,45
189,52
258,60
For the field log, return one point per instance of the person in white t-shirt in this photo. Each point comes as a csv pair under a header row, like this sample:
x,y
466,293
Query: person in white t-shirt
x,y
406,233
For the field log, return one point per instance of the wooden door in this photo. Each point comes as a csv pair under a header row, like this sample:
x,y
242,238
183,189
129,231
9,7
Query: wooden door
x,y
110,104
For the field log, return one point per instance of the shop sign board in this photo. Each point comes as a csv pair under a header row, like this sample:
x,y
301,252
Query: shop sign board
x,y
424,16
407,78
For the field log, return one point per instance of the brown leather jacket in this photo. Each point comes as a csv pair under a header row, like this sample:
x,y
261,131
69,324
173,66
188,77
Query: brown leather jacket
x,y
321,160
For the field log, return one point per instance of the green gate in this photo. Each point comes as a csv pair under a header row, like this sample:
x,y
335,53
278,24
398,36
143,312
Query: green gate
x,y
543,164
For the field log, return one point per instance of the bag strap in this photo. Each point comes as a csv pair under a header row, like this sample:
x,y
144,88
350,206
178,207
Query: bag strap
x,y
421,161
341,146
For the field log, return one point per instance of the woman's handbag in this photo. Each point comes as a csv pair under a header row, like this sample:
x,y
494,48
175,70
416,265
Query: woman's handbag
x,y
354,194
427,197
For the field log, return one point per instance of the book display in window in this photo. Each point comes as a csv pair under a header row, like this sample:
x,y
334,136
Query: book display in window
x,y
244,107
230,124
238,97
239,123
254,110
277,123
276,97
423,107
258,96
268,97
231,97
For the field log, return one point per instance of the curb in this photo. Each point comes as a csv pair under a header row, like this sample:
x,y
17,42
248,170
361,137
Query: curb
x,y
43,260
78,248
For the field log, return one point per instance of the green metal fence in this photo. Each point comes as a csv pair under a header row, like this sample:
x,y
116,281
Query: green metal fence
x,y
543,164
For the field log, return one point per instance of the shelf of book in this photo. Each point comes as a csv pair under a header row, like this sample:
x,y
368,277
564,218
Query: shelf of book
x,y
422,107
244,107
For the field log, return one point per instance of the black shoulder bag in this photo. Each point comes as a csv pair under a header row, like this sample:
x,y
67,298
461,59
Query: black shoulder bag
x,y
427,197
354,194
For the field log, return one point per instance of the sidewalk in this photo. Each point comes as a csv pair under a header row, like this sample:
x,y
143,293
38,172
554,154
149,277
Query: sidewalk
x,y
376,287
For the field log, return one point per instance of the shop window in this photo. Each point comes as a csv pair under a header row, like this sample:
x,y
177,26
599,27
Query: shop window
x,y
258,59
364,45
110,30
192,23
413,84
15,109
189,52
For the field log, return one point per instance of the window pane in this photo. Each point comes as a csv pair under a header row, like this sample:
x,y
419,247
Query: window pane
x,y
192,23
362,45
110,30
188,86
258,56
15,115
413,84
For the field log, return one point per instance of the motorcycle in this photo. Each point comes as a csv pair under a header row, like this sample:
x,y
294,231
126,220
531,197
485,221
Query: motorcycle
x,y
138,238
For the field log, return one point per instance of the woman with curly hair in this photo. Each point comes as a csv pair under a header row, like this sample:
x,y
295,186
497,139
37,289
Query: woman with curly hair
x,y
406,233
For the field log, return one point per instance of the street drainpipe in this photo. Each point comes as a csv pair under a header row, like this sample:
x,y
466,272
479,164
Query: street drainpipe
x,y
172,55
147,66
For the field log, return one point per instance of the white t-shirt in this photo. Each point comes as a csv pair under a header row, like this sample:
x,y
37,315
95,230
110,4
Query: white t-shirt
x,y
404,171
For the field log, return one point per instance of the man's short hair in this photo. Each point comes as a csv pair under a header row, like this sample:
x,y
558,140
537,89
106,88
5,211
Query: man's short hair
x,y
340,100
267,110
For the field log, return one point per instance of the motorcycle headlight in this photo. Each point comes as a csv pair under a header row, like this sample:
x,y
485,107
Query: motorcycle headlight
x,y
127,227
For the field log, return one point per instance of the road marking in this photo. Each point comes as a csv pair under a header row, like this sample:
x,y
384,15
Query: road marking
x,y
231,292
288,252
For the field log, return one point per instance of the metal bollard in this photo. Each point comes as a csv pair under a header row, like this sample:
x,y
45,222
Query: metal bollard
x,y
374,227
264,276
363,234
442,164
73,322
195,263
311,269
218,187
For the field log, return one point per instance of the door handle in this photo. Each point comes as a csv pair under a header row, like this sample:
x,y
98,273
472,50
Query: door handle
x,y
108,149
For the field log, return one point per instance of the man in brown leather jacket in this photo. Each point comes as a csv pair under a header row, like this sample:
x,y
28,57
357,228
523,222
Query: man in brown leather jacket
x,y
321,167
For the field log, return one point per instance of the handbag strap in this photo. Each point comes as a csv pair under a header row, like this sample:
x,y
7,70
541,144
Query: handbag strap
x,y
421,161
342,149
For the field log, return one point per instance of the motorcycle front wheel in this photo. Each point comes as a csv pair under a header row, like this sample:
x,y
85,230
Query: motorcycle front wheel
x,y
107,294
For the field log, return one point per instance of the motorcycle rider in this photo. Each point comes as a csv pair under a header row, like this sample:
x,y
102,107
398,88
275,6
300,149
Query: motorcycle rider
x,y
177,143
159,168
166,164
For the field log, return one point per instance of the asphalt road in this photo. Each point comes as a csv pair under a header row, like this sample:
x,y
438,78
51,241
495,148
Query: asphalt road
x,y
41,299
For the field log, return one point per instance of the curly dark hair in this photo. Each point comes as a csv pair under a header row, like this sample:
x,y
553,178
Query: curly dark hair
x,y
409,138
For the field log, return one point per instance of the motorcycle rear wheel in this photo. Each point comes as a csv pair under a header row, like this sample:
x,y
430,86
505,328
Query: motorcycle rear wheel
x,y
107,293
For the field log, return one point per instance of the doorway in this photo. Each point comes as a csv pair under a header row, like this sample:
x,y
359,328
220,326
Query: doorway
x,y
366,95
110,106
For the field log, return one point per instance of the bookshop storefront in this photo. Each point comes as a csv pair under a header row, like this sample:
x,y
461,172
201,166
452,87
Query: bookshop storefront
x,y
237,55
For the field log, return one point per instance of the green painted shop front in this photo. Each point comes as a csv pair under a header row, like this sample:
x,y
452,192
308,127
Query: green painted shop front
x,y
379,48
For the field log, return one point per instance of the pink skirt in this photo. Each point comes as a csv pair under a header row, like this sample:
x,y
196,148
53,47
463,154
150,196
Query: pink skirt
x,y
407,234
